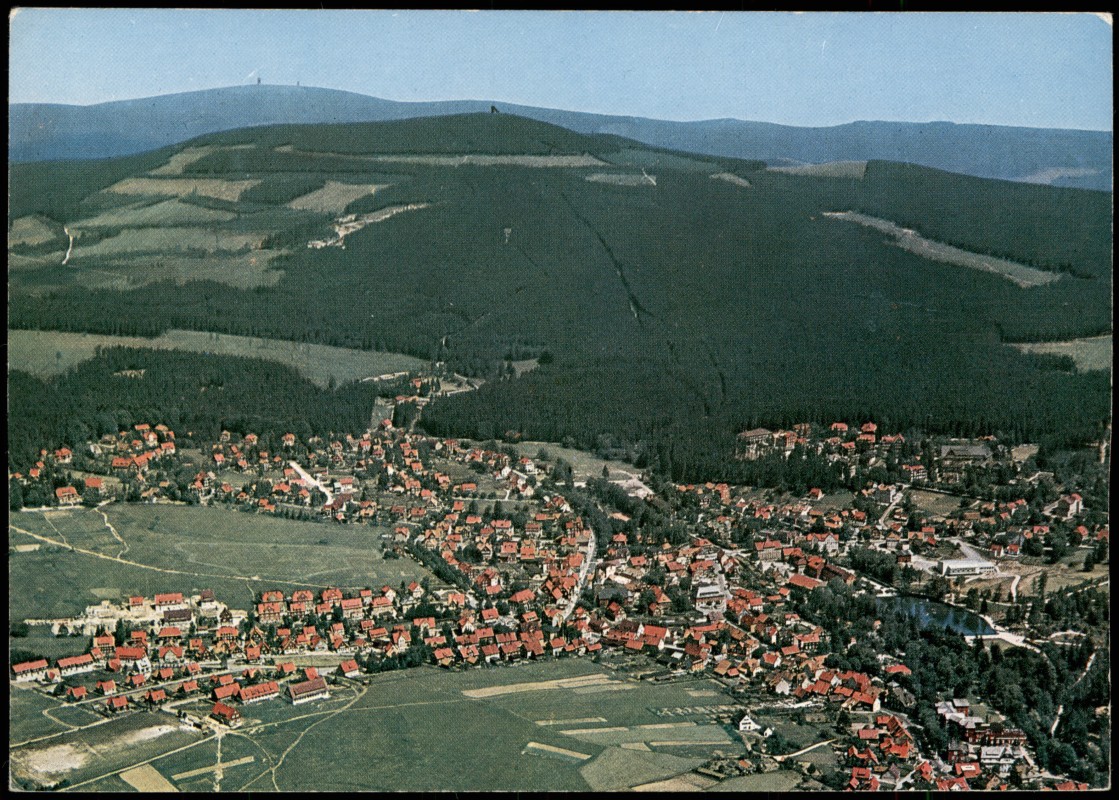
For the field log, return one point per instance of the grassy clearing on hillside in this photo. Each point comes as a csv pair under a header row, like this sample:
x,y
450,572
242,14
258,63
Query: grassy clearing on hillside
x,y
189,155
472,159
180,187
912,241
38,352
237,270
730,177
1088,354
32,231
622,179
333,197
832,169
169,240
167,212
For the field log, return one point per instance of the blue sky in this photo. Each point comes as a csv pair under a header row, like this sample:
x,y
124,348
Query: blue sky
x,y
1032,69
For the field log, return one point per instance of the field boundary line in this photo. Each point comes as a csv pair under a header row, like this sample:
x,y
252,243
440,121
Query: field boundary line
x,y
129,563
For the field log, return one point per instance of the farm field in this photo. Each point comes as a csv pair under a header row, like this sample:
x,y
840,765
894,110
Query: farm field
x,y
779,781
412,746
38,352
184,548
1094,352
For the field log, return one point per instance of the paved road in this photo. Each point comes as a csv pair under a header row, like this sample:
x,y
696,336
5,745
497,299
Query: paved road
x,y
588,564
307,477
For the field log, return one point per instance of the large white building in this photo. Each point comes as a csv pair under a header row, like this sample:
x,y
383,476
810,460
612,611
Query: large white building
x,y
965,566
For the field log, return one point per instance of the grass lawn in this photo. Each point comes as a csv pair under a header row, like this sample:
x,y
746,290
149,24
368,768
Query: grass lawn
x,y
934,502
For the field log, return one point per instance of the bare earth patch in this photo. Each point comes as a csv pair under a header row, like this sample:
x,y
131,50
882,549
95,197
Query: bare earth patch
x,y
49,763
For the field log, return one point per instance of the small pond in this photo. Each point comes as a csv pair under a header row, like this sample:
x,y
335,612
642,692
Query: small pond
x,y
930,612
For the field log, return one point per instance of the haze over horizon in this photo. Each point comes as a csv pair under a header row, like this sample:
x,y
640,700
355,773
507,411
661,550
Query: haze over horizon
x,y
808,69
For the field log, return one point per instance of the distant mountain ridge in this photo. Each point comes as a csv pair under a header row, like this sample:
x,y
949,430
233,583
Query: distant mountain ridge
x,y
1071,158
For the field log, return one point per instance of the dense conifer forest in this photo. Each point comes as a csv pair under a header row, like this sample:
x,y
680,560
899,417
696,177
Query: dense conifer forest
x,y
673,313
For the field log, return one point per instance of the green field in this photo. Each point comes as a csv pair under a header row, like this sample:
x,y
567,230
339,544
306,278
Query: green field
x,y
416,730
236,554
180,187
26,719
45,353
333,197
420,733
167,212
168,240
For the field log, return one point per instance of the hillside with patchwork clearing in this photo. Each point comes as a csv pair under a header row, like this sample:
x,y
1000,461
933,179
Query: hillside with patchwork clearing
x,y
675,309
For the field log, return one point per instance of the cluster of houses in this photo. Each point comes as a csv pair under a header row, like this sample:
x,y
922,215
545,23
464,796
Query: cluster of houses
x,y
848,445
540,584
980,751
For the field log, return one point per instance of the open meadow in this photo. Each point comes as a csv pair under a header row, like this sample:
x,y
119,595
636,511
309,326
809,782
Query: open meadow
x,y
503,728
45,353
164,548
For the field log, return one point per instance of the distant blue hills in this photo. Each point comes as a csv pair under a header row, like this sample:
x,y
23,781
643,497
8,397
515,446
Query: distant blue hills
x,y
1070,158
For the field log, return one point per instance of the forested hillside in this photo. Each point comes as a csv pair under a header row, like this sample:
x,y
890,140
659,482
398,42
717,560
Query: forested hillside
x,y
1060,157
676,306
